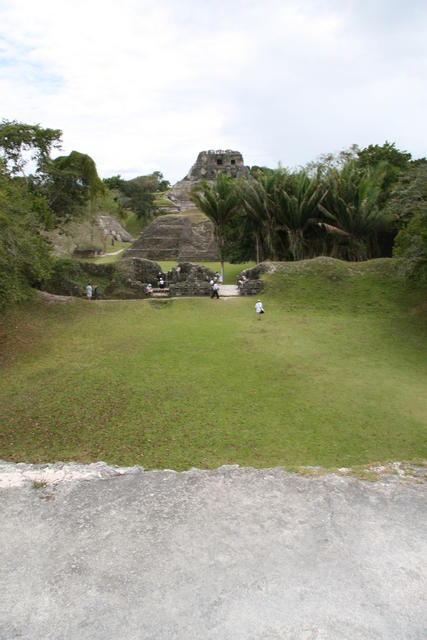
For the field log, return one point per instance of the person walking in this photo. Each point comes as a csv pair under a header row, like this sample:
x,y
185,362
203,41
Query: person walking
x,y
259,309
89,291
215,290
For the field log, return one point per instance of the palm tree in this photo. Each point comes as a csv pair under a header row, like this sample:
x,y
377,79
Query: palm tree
x,y
352,202
257,201
219,200
297,197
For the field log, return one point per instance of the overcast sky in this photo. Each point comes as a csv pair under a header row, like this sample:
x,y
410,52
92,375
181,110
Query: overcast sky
x,y
143,86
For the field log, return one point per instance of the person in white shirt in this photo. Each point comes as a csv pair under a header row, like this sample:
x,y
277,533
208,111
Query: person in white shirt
x,y
215,289
259,309
89,291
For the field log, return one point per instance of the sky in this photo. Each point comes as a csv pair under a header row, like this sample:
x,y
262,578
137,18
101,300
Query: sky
x,y
143,86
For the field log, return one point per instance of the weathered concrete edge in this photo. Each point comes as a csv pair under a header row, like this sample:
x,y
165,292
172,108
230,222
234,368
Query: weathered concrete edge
x,y
50,474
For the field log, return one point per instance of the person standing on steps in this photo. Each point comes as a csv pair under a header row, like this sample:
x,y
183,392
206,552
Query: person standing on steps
x,y
259,309
89,291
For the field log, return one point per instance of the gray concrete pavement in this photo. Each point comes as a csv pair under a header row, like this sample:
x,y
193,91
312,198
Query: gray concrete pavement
x,y
101,553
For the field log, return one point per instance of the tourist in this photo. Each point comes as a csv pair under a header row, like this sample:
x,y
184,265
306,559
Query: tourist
x,y
242,280
95,294
161,283
259,309
149,289
215,289
89,291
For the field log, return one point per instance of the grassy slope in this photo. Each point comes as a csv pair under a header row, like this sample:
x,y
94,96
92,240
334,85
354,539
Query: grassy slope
x,y
334,374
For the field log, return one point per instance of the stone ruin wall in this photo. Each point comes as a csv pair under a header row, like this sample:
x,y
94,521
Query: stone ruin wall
x,y
207,167
210,163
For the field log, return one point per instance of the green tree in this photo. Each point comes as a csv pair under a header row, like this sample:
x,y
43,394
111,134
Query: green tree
x,y
19,141
257,197
373,155
219,200
392,161
115,182
352,203
408,203
71,183
137,194
24,253
297,200
411,244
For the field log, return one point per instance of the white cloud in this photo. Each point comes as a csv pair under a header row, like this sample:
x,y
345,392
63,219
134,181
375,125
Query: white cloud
x,y
143,86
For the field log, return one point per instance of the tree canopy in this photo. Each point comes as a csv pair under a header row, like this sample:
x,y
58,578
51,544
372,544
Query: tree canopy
x,y
19,140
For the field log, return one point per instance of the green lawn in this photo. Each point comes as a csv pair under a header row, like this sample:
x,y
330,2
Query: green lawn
x,y
335,374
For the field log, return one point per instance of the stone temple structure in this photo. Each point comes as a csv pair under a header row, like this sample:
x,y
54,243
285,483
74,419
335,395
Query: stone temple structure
x,y
210,163
176,237
184,234
207,167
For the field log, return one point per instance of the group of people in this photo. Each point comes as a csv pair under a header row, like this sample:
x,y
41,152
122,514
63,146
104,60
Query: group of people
x,y
241,281
161,281
92,291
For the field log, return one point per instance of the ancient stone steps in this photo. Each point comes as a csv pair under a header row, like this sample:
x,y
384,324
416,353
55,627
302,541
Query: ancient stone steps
x,y
228,290
160,293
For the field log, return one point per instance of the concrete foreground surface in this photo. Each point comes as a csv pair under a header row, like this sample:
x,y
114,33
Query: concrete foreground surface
x,y
97,552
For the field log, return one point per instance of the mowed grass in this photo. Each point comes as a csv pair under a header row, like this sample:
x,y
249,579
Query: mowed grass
x,y
335,374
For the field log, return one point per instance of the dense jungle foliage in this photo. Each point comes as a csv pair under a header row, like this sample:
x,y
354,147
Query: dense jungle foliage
x,y
350,207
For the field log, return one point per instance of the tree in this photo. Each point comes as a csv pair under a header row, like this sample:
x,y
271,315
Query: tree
x,y
408,203
372,156
71,183
393,162
411,244
297,198
17,140
219,200
115,182
24,252
351,203
257,201
136,194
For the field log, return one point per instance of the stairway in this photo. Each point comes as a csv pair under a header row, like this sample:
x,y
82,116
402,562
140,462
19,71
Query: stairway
x,y
160,293
228,290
